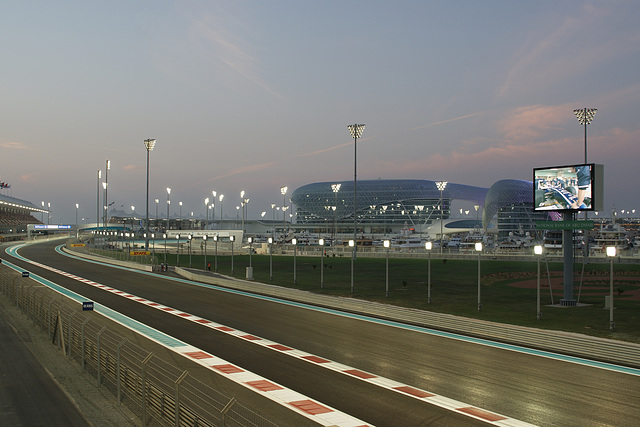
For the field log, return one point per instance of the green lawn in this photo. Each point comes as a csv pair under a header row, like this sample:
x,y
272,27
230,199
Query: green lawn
x,y
454,288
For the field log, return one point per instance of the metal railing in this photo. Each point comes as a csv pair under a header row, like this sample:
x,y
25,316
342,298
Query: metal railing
x,y
157,392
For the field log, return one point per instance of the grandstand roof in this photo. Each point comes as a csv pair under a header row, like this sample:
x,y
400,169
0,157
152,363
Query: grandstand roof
x,y
8,201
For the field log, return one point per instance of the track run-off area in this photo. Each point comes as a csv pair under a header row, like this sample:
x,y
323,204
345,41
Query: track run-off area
x,y
341,368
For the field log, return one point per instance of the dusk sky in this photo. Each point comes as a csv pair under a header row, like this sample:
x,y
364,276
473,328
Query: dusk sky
x,y
255,95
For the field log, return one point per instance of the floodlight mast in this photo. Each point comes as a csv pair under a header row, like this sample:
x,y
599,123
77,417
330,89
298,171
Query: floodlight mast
x,y
356,132
148,145
585,116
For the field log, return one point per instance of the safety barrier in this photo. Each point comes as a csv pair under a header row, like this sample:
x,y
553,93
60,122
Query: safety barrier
x,y
159,393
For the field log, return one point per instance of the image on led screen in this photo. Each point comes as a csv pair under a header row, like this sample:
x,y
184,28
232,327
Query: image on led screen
x,y
563,188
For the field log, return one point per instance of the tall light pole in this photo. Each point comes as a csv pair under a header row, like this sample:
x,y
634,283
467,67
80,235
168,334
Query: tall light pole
x,y
157,201
97,205
356,132
148,144
105,206
441,186
283,191
335,188
106,194
180,203
168,204
585,116
270,240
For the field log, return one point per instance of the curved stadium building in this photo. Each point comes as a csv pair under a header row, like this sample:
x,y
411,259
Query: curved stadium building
x,y
384,206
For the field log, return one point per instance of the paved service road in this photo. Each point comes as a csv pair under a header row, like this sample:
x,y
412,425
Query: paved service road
x,y
28,394
529,388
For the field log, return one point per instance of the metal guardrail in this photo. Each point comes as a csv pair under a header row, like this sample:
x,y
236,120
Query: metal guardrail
x,y
159,393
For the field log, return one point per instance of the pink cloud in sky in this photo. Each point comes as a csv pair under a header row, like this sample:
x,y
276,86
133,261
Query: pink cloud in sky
x,y
533,121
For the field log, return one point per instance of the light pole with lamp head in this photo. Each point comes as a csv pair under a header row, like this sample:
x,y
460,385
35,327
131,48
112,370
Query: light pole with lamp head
x,y
294,242
478,247
214,193
283,191
157,225
356,132
206,212
148,144
178,250
611,253
270,240
428,246
352,244
387,244
97,205
220,197
77,231
189,241
106,198
204,240
537,250
168,204
215,260
231,239
585,116
441,186
321,243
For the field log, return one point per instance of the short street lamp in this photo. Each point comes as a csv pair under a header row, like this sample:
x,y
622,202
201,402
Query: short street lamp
x,y
178,250
352,244
479,250
231,239
441,186
386,244
215,259
321,243
270,240
611,253
204,241
294,242
148,144
428,246
537,249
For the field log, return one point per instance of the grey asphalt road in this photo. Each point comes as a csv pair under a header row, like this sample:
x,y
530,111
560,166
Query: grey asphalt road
x,y
534,389
28,394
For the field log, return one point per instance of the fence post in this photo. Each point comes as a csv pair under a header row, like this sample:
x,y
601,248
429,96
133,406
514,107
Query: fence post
x,y
82,346
69,333
98,364
226,409
118,368
144,388
177,402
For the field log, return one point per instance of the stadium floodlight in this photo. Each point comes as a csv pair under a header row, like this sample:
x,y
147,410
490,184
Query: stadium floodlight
x,y
441,186
168,204
356,132
283,191
148,144
585,116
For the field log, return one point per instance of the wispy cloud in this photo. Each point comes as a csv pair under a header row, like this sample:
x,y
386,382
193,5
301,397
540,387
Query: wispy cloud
x,y
227,48
11,145
532,121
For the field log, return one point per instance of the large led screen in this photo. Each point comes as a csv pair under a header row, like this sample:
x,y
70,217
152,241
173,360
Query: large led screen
x,y
568,188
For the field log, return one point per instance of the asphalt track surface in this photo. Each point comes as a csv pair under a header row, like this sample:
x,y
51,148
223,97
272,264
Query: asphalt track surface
x,y
537,390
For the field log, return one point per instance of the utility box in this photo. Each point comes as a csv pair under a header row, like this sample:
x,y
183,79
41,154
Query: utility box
x,y
249,273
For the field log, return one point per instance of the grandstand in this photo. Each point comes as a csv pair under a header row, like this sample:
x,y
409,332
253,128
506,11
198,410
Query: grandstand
x,y
15,214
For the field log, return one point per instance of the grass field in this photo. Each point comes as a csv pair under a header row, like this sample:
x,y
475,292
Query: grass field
x,y
508,289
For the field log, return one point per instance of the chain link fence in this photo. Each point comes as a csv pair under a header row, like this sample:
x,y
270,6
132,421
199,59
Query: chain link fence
x,y
159,393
